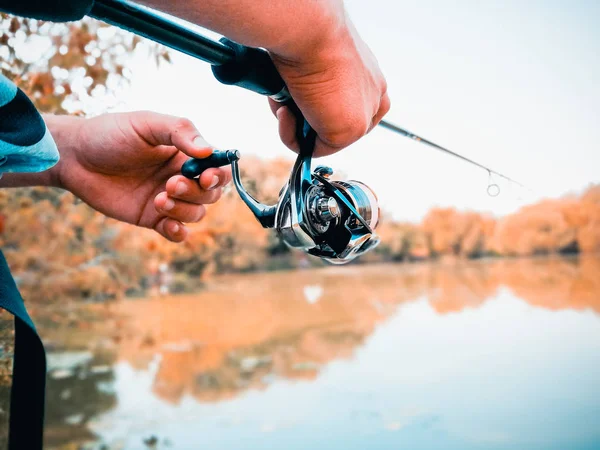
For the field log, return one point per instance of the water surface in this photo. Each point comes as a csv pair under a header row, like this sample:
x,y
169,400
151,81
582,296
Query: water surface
x,y
480,355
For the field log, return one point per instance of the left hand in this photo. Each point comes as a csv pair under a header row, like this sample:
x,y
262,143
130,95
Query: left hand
x,y
127,166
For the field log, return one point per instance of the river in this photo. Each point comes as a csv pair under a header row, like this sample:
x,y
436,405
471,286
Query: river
x,y
470,355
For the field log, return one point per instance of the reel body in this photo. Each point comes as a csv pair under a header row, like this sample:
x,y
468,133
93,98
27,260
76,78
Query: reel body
x,y
333,220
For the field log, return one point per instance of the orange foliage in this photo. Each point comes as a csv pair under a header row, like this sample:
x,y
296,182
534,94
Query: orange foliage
x,y
588,233
452,232
568,225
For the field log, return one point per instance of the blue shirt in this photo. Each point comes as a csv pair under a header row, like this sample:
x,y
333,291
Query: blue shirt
x,y
25,142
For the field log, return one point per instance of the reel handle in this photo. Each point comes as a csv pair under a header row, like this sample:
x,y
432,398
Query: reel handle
x,y
194,167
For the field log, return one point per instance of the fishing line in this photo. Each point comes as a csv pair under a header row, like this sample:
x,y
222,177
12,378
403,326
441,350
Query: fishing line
x,y
493,189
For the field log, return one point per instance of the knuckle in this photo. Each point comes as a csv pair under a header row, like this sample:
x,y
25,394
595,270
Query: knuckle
x,y
216,195
353,129
143,114
383,86
158,201
386,107
202,213
160,228
183,124
387,104
199,213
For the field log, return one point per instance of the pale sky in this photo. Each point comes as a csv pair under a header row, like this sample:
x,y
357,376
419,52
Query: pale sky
x,y
511,84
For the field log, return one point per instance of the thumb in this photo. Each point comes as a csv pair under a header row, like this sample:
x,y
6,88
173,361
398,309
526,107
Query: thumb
x,y
162,129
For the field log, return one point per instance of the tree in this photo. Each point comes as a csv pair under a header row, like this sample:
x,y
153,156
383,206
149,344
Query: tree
x,y
76,68
64,67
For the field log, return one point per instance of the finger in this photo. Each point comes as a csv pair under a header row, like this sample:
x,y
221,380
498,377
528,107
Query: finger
x,y
182,188
322,148
161,129
287,128
384,107
275,106
178,209
214,178
170,229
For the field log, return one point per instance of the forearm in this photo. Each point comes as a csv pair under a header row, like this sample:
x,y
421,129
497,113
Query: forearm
x,y
13,180
64,132
293,29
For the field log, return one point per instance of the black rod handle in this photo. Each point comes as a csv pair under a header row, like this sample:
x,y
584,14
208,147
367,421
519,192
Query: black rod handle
x,y
252,69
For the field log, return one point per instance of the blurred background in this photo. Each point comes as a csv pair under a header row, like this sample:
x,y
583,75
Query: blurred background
x,y
475,324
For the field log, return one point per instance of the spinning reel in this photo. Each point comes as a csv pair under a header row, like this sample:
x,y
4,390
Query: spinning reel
x,y
334,220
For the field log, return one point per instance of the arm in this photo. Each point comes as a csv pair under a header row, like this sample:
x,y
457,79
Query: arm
x,y
330,72
127,166
60,127
13,180
289,28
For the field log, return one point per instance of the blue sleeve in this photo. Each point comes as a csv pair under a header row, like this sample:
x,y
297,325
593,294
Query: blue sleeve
x,y
52,10
25,142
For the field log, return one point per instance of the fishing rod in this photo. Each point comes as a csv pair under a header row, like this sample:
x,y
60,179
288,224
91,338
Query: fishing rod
x,y
226,59
334,220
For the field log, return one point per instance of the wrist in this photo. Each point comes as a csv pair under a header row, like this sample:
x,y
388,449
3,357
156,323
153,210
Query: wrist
x,y
329,31
65,131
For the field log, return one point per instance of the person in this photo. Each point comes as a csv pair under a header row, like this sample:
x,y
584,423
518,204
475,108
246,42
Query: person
x,y
127,165
330,72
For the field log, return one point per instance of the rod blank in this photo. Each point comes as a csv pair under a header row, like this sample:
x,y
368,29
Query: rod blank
x,y
158,28
396,129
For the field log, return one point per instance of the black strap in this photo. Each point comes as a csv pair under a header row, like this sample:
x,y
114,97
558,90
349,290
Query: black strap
x,y
26,423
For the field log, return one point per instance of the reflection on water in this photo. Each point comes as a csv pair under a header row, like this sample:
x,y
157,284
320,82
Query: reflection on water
x,y
79,389
502,354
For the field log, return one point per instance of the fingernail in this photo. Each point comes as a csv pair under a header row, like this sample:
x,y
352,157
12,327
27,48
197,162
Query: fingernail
x,y
169,204
176,228
199,141
215,181
280,112
180,188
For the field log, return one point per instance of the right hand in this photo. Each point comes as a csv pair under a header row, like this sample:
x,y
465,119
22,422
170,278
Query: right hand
x,y
128,166
338,87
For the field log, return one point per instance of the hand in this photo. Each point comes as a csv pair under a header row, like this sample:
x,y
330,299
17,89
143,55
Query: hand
x,y
330,72
127,167
338,87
